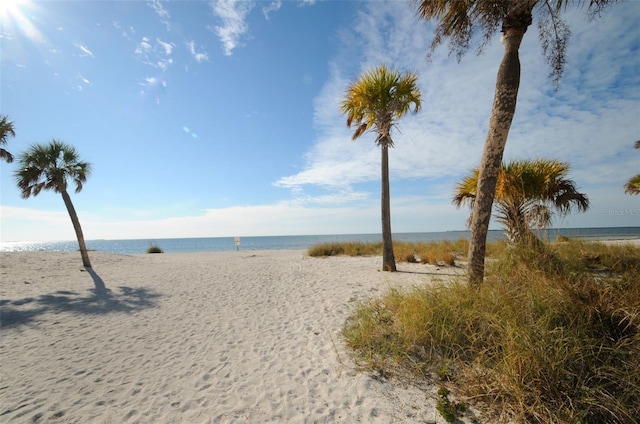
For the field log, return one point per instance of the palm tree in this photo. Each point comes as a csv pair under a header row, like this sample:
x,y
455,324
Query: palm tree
x,y
49,167
527,192
633,186
6,130
375,102
458,21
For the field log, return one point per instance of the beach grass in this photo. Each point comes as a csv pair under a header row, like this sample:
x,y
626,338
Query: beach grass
x,y
436,253
552,336
345,248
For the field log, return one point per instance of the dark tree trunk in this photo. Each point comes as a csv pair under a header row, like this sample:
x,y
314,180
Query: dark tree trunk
x,y
504,108
388,258
76,227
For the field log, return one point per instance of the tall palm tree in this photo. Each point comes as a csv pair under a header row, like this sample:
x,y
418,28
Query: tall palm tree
x,y
48,167
375,102
6,130
633,186
458,21
527,193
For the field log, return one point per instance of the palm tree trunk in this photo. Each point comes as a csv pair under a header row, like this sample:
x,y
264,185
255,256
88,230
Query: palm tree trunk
x,y
76,227
504,108
388,258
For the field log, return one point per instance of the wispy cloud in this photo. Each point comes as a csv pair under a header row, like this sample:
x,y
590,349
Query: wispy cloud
x,y
124,32
274,6
84,51
153,88
233,14
162,13
198,56
166,46
156,54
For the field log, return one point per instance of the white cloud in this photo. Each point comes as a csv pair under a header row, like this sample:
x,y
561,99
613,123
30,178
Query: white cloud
x,y
166,46
143,48
84,51
125,33
161,12
233,14
81,83
274,6
157,55
198,56
153,88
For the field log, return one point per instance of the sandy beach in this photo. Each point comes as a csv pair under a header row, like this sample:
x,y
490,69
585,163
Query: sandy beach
x,y
246,337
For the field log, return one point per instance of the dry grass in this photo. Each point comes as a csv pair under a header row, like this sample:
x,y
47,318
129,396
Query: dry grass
x,y
436,253
553,336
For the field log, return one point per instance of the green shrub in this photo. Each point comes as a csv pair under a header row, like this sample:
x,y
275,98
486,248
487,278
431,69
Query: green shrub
x,y
153,248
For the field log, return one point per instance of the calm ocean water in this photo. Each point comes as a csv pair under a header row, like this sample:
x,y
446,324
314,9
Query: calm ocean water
x,y
217,244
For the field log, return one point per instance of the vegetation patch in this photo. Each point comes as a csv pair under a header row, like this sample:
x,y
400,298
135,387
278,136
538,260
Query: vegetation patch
x,y
552,336
154,248
348,249
447,408
436,253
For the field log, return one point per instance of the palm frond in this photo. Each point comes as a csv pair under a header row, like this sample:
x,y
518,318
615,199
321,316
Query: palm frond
x,y
49,167
6,130
633,186
465,192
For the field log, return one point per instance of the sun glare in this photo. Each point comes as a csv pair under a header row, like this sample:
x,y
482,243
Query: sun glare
x,y
14,19
9,8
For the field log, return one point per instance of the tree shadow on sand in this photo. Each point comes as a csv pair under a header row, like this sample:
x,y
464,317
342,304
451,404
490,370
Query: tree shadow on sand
x,y
100,301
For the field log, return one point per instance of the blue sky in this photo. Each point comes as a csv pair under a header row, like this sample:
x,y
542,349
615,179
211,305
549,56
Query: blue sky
x,y
207,119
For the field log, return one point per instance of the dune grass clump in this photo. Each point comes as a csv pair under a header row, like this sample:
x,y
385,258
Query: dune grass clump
x,y
552,336
435,253
347,249
154,248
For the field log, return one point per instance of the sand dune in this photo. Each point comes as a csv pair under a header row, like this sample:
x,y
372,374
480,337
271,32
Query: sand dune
x,y
246,337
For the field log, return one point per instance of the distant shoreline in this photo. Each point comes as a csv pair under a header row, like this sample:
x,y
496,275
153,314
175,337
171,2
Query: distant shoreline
x,y
251,243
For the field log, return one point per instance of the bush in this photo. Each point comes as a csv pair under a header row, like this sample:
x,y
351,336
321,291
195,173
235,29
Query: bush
x,y
552,336
153,248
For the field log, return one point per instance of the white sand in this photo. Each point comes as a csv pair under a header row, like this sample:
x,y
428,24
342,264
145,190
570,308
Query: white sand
x,y
247,337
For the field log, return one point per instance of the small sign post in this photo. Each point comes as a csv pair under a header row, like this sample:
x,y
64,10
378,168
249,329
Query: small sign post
x,y
236,240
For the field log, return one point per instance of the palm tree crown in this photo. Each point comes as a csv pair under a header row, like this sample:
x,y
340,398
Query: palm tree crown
x,y
378,99
49,167
526,194
633,185
6,130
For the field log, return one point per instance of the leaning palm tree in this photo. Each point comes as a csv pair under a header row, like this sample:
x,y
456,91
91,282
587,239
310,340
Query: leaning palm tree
x,y
633,186
6,130
375,102
527,193
458,21
49,167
